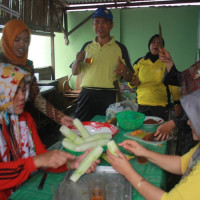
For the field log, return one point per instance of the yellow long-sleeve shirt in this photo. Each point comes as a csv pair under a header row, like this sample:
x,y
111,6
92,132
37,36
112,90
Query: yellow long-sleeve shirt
x,y
151,91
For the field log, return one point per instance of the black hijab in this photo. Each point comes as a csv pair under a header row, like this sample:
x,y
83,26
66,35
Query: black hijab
x,y
149,55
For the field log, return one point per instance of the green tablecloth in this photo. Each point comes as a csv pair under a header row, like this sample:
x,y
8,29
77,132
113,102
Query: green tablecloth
x,y
149,171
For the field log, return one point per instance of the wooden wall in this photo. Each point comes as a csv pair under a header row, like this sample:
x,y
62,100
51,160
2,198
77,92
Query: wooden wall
x,y
35,13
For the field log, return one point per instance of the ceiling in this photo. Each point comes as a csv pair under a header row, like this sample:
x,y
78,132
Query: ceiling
x,y
79,5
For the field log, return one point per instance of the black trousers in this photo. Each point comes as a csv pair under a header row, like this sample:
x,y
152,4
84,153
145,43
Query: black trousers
x,y
156,111
93,102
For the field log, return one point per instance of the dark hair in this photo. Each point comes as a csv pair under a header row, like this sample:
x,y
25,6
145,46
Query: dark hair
x,y
152,38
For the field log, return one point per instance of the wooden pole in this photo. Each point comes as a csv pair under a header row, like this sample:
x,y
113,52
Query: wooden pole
x,y
52,40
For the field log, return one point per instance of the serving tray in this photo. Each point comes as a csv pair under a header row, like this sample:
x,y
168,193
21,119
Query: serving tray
x,y
68,190
140,136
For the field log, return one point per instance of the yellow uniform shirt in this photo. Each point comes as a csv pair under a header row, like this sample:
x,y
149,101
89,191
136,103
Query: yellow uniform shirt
x,y
189,187
105,60
151,91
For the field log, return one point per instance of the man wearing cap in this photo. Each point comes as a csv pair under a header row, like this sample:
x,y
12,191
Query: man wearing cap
x,y
104,61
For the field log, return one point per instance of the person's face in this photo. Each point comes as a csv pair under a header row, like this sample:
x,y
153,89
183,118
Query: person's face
x,y
19,98
102,27
21,44
154,46
193,131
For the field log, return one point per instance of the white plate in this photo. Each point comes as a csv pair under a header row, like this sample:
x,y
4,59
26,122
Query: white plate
x,y
158,119
97,127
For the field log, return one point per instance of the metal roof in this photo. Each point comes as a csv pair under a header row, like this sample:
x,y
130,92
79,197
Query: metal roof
x,y
93,4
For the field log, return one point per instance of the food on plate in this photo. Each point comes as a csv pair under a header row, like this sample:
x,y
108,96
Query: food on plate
x,y
98,137
86,135
151,121
149,137
83,131
68,133
87,145
137,132
141,160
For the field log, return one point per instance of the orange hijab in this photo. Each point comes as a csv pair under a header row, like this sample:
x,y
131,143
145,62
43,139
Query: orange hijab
x,y
10,31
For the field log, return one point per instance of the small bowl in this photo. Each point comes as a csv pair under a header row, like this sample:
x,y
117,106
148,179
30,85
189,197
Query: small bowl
x,y
130,120
152,126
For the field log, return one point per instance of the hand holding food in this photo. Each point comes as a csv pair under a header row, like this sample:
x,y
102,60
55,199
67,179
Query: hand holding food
x,y
120,163
85,164
165,56
80,56
52,159
134,147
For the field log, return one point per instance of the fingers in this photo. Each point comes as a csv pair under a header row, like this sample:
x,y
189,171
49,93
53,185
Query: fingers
x,y
93,166
52,159
66,120
80,56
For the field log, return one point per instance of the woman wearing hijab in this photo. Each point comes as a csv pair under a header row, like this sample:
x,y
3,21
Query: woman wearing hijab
x,y
187,165
21,151
14,50
189,81
152,94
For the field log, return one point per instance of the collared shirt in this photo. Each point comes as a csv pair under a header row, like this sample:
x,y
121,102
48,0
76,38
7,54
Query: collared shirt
x,y
151,91
100,73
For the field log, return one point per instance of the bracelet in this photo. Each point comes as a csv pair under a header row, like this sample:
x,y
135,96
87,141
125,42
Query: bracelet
x,y
140,183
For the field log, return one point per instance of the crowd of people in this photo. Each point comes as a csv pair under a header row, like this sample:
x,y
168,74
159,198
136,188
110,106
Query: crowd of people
x,y
155,78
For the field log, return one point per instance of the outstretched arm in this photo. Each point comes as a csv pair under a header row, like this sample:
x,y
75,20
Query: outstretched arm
x,y
169,163
146,189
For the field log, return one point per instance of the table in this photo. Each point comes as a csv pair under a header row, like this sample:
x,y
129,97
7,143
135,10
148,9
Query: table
x,y
46,89
149,171
47,82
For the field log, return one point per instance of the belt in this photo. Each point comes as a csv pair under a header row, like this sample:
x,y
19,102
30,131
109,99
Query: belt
x,y
97,88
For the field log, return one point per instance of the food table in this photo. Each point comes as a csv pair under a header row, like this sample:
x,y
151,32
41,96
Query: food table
x,y
155,175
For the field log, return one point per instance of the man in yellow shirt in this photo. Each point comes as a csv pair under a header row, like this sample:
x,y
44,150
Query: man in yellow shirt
x,y
109,62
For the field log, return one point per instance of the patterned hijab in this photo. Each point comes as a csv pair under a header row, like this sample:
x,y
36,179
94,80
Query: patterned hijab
x,y
15,141
191,105
10,31
190,79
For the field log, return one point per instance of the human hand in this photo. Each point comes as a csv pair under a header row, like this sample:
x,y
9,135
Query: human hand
x,y
164,130
75,163
135,81
165,57
80,56
120,163
52,159
134,147
121,68
66,120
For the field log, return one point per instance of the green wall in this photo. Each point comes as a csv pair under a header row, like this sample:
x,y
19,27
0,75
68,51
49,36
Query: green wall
x,y
179,29
132,27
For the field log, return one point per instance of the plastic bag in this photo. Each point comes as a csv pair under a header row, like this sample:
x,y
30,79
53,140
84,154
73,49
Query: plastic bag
x,y
119,107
